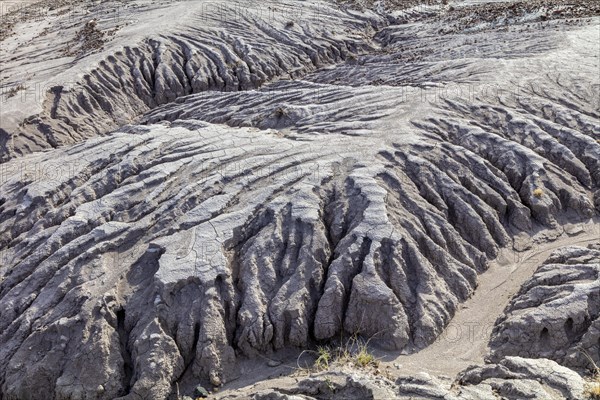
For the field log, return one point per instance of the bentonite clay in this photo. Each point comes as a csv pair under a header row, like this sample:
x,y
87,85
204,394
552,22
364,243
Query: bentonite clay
x,y
205,184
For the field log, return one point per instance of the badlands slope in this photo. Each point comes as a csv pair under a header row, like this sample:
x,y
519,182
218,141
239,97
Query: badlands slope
x,y
189,188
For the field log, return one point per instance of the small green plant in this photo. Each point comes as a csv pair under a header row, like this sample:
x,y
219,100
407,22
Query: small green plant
x,y
363,358
323,357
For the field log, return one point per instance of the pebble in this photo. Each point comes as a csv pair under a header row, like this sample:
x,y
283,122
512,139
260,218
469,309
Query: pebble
x,y
274,363
200,391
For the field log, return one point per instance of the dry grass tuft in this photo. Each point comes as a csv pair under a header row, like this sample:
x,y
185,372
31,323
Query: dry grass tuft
x,y
592,389
363,359
353,352
538,193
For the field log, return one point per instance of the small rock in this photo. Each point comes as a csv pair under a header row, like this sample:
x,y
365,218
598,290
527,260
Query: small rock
x,y
100,389
215,380
572,229
274,363
199,391
522,242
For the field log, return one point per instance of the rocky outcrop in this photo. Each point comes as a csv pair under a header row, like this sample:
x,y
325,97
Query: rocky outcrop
x,y
514,378
166,256
518,378
556,313
329,385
